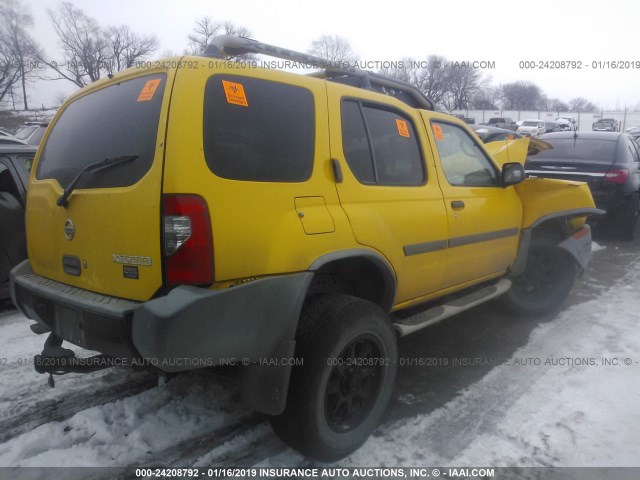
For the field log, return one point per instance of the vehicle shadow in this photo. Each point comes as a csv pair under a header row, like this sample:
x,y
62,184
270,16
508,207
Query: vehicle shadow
x,y
441,361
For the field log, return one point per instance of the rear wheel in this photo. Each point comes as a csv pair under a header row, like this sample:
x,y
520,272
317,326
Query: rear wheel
x,y
546,280
337,397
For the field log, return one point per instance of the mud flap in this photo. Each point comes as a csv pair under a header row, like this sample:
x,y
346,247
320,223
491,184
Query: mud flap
x,y
264,386
578,246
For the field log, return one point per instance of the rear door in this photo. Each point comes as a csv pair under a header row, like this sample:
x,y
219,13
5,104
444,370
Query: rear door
x,y
389,190
107,239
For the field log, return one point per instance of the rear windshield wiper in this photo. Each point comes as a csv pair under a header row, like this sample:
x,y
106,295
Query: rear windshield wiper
x,y
92,167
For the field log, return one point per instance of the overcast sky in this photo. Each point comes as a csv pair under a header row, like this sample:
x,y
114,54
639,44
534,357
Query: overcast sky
x,y
505,32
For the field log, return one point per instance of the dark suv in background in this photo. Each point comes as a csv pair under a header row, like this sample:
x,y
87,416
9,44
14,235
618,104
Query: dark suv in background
x,y
15,164
607,161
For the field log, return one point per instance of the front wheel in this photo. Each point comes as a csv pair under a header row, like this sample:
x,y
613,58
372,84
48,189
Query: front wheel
x,y
547,279
339,393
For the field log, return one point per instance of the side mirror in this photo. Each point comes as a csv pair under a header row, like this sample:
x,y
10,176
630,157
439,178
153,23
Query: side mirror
x,y
512,173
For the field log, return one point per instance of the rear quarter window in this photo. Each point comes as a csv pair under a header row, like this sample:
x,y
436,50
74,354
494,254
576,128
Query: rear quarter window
x,y
258,130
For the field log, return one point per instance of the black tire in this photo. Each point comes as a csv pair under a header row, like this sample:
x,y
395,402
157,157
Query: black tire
x,y
547,279
627,219
334,402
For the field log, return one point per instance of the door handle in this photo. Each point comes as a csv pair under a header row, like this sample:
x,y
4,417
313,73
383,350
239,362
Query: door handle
x,y
457,204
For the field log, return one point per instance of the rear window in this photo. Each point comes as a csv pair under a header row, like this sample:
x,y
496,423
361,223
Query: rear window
x,y
579,149
121,119
258,130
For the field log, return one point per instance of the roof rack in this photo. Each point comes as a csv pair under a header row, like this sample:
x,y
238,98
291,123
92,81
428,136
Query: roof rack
x,y
224,46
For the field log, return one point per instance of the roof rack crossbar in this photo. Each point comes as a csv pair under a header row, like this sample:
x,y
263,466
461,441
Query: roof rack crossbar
x,y
224,46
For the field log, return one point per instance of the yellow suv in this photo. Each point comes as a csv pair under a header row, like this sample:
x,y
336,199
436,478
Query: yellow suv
x,y
200,212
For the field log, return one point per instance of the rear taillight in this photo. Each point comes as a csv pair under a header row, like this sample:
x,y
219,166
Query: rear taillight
x,y
616,176
187,240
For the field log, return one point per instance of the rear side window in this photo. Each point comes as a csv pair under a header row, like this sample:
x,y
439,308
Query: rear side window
x,y
380,145
121,119
258,130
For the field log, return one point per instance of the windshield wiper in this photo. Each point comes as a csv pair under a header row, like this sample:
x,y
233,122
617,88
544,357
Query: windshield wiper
x,y
92,167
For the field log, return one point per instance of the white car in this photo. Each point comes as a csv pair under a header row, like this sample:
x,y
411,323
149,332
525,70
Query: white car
x,y
532,128
567,123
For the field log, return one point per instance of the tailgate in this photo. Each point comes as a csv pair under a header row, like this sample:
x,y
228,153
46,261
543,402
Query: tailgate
x,y
107,238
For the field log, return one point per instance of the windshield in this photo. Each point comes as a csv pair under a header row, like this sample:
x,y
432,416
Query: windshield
x,y
579,149
121,119
530,124
24,133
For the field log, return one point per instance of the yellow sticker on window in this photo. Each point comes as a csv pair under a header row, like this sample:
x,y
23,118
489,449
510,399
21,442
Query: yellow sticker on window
x,y
149,90
437,131
403,128
235,93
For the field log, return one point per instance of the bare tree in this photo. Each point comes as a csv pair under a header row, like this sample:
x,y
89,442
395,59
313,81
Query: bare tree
x,y
430,76
580,104
85,47
9,71
333,48
463,85
90,51
487,98
521,96
16,47
554,105
207,28
126,47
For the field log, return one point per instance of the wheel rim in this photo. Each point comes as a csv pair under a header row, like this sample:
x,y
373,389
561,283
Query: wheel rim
x,y
354,384
540,276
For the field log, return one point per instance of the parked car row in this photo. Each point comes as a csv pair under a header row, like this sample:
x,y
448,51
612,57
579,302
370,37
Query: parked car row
x,y
29,133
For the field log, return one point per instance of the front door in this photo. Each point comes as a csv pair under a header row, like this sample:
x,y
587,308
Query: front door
x,y
483,217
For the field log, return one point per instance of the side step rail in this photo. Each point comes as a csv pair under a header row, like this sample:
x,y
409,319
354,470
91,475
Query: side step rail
x,y
433,315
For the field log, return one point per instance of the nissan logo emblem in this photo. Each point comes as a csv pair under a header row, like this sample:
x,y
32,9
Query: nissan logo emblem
x,y
69,229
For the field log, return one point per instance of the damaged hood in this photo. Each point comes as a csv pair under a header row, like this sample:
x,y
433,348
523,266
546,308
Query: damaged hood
x,y
515,150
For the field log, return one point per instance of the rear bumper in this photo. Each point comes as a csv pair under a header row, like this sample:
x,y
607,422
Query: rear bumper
x,y
187,329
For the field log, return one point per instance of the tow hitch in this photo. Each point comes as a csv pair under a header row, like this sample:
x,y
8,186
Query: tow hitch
x,y
56,360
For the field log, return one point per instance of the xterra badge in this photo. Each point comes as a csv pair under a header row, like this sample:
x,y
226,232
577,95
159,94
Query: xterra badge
x,y
132,260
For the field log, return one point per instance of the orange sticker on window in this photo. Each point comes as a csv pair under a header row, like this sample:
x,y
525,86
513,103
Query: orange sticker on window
x,y
510,137
235,93
149,90
403,128
437,131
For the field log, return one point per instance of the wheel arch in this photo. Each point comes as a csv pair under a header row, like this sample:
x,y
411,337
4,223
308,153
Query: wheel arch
x,y
364,273
557,222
